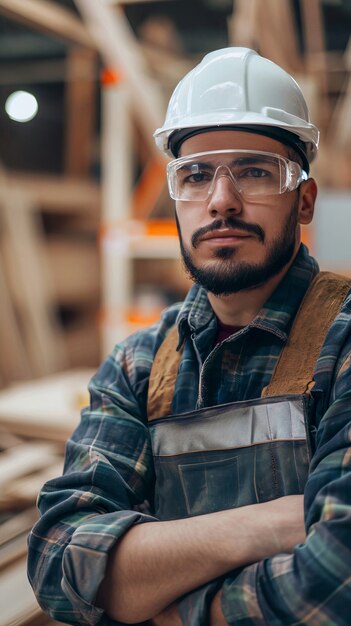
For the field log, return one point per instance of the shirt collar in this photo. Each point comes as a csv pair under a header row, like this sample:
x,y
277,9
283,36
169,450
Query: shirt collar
x,y
276,315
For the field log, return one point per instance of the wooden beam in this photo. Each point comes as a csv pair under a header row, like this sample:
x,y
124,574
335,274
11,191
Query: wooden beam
x,y
242,24
49,17
312,25
276,34
314,41
116,151
148,188
119,49
59,194
29,282
339,131
14,365
80,100
39,71
134,1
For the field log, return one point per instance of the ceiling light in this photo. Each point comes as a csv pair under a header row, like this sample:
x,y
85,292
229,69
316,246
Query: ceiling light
x,y
21,106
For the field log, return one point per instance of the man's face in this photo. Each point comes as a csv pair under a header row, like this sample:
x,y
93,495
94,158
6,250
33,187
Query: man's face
x,y
230,244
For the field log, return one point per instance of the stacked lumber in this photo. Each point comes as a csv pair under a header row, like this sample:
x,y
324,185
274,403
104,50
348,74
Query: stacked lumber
x,y
24,467
35,420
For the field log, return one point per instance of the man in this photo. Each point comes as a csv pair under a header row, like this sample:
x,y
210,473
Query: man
x,y
246,407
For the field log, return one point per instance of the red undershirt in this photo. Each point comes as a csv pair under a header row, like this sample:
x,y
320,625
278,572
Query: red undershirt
x,y
224,331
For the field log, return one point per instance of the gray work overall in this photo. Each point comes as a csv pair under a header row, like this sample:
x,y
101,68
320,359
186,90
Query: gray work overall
x,y
246,452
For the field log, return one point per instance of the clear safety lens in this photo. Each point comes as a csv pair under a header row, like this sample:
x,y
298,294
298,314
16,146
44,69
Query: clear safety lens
x,y
254,174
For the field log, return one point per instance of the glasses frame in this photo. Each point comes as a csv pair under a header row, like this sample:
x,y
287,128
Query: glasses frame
x,y
295,174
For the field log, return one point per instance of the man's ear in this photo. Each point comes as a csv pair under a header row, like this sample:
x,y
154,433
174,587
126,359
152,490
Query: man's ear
x,y
308,195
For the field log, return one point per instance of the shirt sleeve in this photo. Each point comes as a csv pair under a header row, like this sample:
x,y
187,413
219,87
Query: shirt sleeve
x,y
107,478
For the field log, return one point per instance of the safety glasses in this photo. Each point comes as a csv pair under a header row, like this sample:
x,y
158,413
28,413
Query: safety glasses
x,y
254,174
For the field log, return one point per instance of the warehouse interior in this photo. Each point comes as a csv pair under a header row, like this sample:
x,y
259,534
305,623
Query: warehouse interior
x,y
88,243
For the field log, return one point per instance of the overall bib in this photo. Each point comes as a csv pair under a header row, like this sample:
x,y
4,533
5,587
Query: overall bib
x,y
245,452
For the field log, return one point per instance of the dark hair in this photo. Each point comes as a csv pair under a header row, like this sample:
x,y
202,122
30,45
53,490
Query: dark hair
x,y
293,155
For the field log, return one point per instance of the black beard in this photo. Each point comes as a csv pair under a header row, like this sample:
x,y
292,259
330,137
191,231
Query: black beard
x,y
231,277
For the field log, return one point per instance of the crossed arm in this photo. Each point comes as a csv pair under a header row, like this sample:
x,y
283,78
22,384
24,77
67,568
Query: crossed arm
x,y
159,562
87,512
152,564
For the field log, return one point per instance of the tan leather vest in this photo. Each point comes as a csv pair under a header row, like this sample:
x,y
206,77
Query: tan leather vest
x,y
242,452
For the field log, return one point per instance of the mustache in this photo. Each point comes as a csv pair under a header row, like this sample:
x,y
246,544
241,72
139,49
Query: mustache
x,y
230,222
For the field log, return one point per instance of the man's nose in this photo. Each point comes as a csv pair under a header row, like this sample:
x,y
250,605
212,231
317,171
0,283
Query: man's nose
x,y
225,198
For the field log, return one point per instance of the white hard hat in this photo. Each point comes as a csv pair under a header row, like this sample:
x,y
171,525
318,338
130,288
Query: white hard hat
x,y
236,87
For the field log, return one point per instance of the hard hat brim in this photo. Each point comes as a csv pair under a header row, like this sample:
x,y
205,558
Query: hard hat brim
x,y
307,133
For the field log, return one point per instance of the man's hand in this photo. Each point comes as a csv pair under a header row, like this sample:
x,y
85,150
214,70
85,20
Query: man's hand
x,y
160,561
216,614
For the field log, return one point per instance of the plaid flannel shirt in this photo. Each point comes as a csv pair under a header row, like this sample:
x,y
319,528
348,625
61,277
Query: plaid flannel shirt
x,y
109,469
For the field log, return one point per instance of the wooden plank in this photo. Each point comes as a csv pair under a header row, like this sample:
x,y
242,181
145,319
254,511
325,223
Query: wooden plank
x,y
25,459
22,492
8,440
13,550
80,105
49,17
47,408
17,524
17,600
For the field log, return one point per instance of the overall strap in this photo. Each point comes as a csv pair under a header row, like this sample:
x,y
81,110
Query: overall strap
x,y
293,373
163,375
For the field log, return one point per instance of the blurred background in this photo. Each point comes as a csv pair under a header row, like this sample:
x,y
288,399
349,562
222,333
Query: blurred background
x,y
88,245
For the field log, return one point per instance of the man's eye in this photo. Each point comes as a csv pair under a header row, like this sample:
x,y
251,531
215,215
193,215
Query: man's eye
x,y
197,177
255,172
